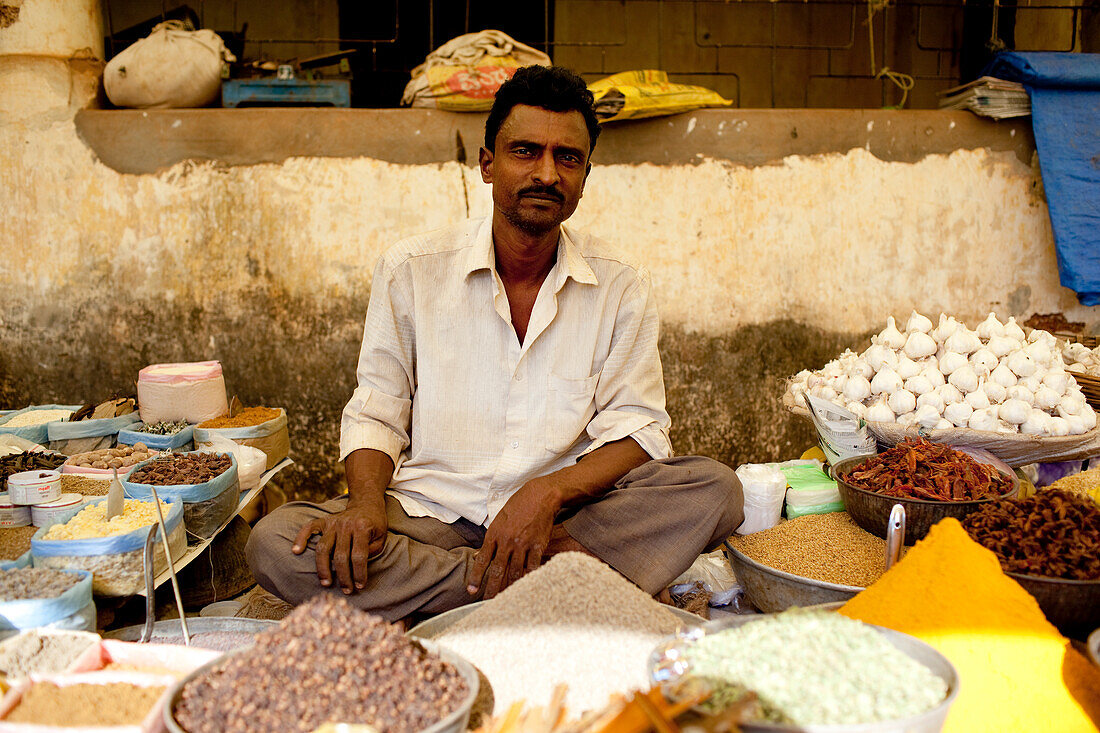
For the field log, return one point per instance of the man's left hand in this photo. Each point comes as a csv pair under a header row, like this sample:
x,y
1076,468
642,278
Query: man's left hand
x,y
515,541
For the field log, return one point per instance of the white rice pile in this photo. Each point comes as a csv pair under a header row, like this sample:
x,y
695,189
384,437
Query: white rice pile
x,y
574,621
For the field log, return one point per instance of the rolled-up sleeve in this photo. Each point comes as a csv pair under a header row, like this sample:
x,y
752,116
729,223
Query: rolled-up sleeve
x,y
379,412
630,394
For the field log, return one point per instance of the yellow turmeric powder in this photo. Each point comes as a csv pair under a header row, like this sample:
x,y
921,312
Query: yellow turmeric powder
x,y
1017,672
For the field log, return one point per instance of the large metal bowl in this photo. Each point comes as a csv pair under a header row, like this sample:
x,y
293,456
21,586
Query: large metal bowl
x,y
871,511
1071,605
195,625
772,590
437,625
667,663
453,723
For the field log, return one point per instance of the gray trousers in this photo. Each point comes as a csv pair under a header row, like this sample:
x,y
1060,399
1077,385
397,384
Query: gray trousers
x,y
650,527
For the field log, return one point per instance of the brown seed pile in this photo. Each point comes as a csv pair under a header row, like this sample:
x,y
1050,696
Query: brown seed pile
x,y
194,468
70,706
326,662
85,485
827,547
1053,534
14,541
1086,483
247,417
123,456
23,583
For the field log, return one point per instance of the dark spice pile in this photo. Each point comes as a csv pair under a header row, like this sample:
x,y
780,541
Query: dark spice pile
x,y
1053,534
918,469
24,583
326,662
197,468
14,541
19,462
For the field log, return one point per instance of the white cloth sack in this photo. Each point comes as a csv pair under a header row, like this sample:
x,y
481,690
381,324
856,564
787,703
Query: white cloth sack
x,y
191,391
764,487
173,67
251,462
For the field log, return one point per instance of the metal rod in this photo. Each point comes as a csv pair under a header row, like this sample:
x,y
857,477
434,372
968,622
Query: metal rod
x,y
171,567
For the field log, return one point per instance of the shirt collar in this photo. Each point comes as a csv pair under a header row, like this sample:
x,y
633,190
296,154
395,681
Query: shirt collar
x,y
570,262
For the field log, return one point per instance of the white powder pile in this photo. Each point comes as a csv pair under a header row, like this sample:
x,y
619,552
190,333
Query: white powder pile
x,y
574,621
37,417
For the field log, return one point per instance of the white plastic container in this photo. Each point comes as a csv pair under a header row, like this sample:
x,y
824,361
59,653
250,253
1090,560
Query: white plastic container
x,y
189,391
55,512
34,487
13,515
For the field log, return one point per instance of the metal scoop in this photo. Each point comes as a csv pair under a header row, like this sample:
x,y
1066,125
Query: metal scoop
x,y
116,502
895,535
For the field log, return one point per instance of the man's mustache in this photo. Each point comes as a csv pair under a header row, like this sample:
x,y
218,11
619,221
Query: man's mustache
x,y
547,191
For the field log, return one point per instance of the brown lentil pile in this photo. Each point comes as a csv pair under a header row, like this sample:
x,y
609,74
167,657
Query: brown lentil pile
x,y
85,485
70,706
245,418
326,662
193,468
828,547
14,541
1053,534
24,583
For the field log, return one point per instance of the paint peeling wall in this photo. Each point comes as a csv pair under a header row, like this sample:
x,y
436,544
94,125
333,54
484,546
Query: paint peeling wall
x,y
760,271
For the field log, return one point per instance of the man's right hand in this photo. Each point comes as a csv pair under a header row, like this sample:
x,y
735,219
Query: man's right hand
x,y
348,540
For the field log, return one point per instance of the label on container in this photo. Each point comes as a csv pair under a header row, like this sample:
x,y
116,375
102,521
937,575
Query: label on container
x,y
47,515
34,487
12,515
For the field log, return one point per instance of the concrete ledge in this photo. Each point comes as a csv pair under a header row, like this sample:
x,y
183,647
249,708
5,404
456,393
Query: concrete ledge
x,y
136,141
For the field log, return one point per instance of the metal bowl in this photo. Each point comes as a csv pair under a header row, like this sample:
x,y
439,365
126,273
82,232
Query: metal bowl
x,y
437,625
667,664
1094,647
195,625
1071,605
453,723
772,590
871,511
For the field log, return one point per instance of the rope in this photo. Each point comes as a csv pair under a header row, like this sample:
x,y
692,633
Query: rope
x,y
904,82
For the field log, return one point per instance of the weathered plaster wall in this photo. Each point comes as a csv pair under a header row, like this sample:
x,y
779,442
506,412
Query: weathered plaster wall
x,y
760,270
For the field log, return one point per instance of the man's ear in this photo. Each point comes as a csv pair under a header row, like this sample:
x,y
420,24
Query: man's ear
x,y
485,163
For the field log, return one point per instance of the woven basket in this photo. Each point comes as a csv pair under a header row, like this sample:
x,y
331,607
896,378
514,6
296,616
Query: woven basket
x,y
1090,385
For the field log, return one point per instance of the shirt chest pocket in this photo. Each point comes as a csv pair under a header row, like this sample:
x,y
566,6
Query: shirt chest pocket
x,y
570,406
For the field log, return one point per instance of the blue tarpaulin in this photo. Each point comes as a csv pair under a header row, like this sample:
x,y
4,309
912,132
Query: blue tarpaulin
x,y
1065,117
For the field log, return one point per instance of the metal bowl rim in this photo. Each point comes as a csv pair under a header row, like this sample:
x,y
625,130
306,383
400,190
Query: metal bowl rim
x,y
909,723
1093,645
1054,581
790,576
899,500
464,668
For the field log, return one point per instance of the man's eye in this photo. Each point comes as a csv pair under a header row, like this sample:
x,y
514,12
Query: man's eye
x,y
523,151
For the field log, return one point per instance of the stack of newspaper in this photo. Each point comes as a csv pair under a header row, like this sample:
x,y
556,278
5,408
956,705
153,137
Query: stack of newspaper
x,y
989,97
841,433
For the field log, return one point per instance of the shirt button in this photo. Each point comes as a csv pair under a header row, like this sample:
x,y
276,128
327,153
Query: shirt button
x,y
519,377
515,444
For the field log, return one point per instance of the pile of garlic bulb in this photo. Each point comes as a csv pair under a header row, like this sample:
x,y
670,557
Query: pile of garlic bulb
x,y
992,379
1080,359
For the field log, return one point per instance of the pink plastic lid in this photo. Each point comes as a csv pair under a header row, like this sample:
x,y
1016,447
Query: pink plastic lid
x,y
183,372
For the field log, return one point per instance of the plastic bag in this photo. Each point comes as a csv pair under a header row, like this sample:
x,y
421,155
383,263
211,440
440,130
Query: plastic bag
x,y
464,74
272,437
115,562
84,436
764,487
810,491
173,67
174,442
631,95
206,506
251,462
66,609
715,574
38,434
23,561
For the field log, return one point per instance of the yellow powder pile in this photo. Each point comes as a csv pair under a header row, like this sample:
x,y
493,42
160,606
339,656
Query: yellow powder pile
x,y
89,522
1017,672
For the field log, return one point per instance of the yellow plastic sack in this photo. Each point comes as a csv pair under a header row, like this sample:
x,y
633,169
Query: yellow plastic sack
x,y
632,95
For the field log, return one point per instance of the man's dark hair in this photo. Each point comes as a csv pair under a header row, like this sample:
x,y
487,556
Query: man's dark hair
x,y
554,88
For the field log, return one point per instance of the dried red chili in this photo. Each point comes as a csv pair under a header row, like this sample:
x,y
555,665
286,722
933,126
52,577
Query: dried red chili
x,y
1053,534
918,469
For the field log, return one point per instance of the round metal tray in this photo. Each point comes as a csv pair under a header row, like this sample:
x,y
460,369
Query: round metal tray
x,y
871,511
772,590
453,723
437,625
667,663
195,625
